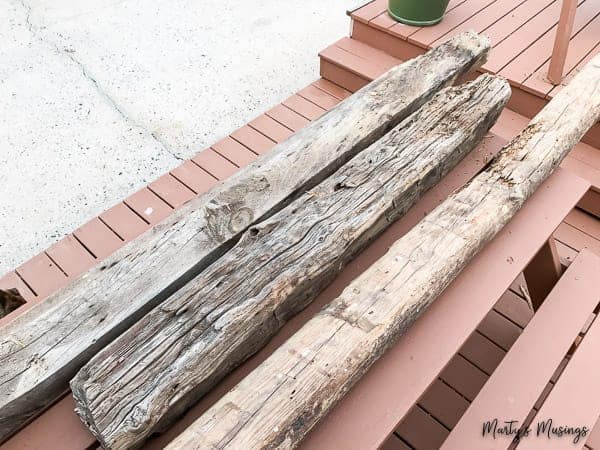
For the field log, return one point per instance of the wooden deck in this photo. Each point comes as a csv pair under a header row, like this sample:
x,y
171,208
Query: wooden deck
x,y
346,66
522,34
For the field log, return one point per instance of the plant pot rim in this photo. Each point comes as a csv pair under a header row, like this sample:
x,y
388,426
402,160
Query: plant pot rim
x,y
415,23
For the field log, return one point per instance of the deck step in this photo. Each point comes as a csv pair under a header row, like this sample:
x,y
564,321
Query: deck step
x,y
521,34
352,64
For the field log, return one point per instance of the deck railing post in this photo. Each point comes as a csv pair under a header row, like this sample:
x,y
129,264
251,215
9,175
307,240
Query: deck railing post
x,y
561,41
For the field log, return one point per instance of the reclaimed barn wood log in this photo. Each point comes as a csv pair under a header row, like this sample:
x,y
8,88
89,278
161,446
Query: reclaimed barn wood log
x,y
42,350
279,402
152,373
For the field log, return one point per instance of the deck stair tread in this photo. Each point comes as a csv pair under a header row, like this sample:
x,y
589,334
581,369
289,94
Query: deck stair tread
x,y
522,34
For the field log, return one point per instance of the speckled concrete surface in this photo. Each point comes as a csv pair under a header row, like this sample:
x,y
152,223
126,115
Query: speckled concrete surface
x,y
99,97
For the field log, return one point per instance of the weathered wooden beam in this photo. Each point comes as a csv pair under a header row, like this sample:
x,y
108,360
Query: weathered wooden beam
x,y
176,353
41,350
281,400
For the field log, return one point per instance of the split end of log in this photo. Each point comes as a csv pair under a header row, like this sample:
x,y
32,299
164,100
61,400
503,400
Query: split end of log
x,y
478,44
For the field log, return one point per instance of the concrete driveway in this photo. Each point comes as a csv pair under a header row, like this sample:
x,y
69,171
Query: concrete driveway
x,y
99,97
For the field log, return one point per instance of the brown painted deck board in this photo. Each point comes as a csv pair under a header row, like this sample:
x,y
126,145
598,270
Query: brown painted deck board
x,y
367,53
444,403
148,206
288,117
586,154
584,222
347,78
485,18
363,68
58,428
566,253
194,177
594,438
98,238
521,39
42,275
360,58
464,376
421,430
71,256
577,239
271,128
327,86
513,306
384,40
252,139
123,221
303,107
394,443
483,352
371,10
499,329
510,23
524,373
576,395
214,164
583,170
319,97
171,190
453,19
235,152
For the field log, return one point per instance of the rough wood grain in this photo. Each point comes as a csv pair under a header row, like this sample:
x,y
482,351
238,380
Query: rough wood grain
x,y
279,402
175,354
42,349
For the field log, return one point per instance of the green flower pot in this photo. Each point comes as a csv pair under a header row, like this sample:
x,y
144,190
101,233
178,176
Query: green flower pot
x,y
420,13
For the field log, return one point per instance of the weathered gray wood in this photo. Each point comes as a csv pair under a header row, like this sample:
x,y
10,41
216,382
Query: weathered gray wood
x,y
279,402
41,350
175,354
